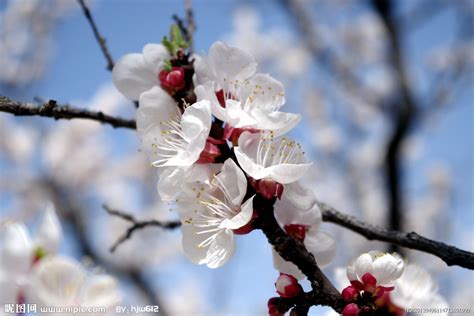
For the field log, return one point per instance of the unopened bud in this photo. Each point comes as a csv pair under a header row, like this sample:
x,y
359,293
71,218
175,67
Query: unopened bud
x,y
351,310
172,80
350,293
273,308
287,285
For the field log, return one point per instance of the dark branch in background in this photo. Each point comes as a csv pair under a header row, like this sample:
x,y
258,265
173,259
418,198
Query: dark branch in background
x,y
100,39
323,55
136,225
449,254
53,110
404,116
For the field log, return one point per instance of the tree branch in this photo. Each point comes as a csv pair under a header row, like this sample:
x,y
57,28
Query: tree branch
x,y
405,112
100,39
52,109
295,252
136,225
449,254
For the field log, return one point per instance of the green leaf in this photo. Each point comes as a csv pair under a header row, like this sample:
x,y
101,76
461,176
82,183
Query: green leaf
x,y
167,44
167,65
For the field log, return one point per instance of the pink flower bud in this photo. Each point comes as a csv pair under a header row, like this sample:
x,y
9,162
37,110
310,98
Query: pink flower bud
x,y
351,310
296,231
272,307
350,293
172,80
287,285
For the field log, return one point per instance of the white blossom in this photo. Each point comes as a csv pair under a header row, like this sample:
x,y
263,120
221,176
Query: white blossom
x,y
298,214
262,156
62,282
385,267
246,100
209,214
416,289
136,73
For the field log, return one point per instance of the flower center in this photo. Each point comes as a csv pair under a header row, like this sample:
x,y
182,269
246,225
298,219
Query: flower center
x,y
171,142
272,152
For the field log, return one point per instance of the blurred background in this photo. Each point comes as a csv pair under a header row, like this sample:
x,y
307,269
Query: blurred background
x,y
386,93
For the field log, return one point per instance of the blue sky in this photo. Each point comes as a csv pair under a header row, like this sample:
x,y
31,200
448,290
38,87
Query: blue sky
x,y
77,69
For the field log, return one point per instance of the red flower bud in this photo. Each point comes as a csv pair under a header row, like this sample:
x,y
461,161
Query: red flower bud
x,y
351,310
272,307
287,285
350,293
172,80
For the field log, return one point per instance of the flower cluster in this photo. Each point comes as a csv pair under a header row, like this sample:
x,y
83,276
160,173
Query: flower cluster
x,y
382,285
31,271
213,127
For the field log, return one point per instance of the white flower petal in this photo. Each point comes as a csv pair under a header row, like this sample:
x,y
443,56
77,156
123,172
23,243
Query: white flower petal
x,y
363,265
234,181
220,250
284,173
321,245
154,55
190,243
263,92
50,233
387,268
286,267
207,92
132,76
15,249
56,281
100,290
287,173
229,63
236,116
278,122
242,218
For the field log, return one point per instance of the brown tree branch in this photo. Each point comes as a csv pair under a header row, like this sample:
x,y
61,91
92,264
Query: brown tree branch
x,y
52,109
100,39
449,254
136,225
295,252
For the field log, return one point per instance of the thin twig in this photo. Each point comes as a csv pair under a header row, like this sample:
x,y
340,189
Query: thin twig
x,y
449,254
52,109
136,225
100,39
